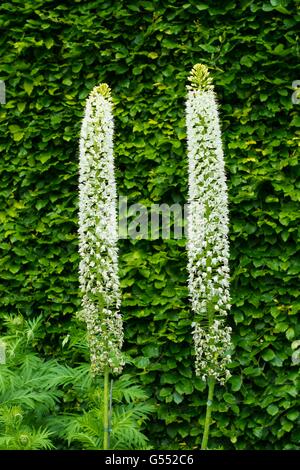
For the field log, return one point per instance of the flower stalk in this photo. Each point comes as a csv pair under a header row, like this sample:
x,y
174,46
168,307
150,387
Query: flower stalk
x,y
208,247
211,387
98,236
106,430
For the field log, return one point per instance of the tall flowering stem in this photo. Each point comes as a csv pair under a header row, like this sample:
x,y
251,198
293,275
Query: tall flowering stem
x,y
208,247
98,235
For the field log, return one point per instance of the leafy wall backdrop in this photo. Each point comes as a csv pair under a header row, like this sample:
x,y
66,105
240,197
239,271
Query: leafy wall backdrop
x,y
52,56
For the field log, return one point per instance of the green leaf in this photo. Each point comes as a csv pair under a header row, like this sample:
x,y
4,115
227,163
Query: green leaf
x,y
18,136
272,410
28,87
293,415
153,55
296,121
236,383
151,351
44,158
268,354
177,398
229,398
201,6
290,333
21,107
14,269
141,362
184,387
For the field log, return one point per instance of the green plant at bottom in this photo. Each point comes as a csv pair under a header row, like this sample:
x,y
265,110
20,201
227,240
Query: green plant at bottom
x,y
29,388
32,390
17,435
130,410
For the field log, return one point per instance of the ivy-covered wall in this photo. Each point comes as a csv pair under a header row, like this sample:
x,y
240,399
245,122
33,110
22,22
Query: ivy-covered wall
x,y
53,53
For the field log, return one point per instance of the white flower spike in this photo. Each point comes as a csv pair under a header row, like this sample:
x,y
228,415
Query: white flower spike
x,y
98,235
208,247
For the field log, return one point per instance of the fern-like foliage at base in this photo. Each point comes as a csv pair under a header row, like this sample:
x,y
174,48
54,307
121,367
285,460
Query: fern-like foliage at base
x,y
29,388
131,408
32,390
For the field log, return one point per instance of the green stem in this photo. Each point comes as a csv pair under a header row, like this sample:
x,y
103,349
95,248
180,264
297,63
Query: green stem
x,y
110,411
211,387
106,410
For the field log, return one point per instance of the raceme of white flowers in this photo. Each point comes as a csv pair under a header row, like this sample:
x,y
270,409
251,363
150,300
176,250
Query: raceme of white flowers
x,y
98,235
207,246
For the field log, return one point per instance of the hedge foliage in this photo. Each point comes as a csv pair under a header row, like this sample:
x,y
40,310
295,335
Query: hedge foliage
x,y
53,55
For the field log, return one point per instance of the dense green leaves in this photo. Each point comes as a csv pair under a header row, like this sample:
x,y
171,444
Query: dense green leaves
x,y
53,55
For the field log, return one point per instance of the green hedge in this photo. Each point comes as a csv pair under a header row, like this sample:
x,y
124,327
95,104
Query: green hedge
x,y
53,55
